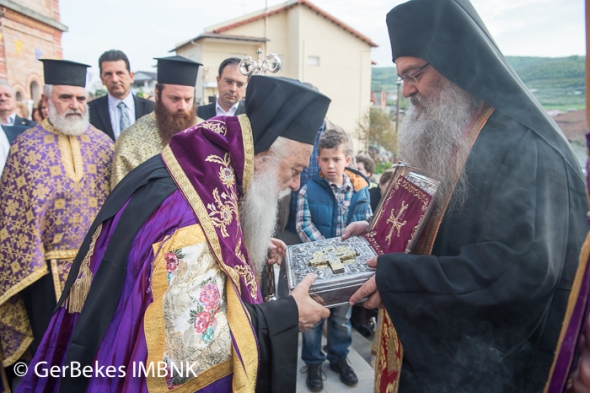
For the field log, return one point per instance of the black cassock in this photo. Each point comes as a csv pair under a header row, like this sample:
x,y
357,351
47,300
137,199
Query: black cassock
x,y
484,311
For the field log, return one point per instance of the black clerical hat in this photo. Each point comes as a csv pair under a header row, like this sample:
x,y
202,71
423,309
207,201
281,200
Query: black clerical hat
x,y
64,72
451,36
177,70
283,107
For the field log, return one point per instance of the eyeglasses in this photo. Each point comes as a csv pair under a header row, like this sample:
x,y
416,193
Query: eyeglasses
x,y
412,77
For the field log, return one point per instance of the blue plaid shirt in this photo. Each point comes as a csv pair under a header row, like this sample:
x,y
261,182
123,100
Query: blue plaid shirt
x,y
304,223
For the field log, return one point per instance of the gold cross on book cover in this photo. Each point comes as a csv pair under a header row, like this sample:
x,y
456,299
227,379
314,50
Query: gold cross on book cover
x,y
340,266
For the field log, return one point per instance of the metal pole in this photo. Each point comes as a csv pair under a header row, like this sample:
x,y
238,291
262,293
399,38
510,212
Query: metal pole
x,y
399,84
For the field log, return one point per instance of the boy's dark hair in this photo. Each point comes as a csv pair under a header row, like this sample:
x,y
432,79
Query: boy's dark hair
x,y
331,139
113,55
386,177
367,162
232,60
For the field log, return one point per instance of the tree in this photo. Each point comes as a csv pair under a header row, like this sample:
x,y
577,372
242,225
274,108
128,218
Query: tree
x,y
377,130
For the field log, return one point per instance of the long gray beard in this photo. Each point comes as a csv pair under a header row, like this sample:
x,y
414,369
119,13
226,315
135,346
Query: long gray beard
x,y
258,213
432,139
69,126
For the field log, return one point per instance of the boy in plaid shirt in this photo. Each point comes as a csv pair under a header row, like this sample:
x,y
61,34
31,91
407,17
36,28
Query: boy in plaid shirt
x,y
329,202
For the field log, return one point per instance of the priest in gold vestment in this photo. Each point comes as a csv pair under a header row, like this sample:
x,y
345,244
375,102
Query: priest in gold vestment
x,y
55,181
175,110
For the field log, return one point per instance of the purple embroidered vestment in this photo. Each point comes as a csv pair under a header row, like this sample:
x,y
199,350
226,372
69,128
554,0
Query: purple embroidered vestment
x,y
212,166
52,187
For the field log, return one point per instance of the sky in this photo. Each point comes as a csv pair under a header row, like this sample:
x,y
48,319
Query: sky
x,y
145,29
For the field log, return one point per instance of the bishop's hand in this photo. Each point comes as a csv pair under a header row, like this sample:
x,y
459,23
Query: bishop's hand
x,y
277,249
368,289
310,311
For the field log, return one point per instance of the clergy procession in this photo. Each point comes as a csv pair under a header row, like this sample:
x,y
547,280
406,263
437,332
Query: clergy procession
x,y
151,245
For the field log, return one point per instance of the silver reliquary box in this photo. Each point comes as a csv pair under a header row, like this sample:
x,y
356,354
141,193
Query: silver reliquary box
x,y
340,266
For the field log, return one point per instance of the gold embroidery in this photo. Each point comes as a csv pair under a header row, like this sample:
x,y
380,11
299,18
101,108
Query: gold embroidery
x,y
222,214
395,221
136,145
81,286
249,278
248,141
216,126
77,156
57,238
13,346
224,211
71,156
56,280
37,274
415,191
226,172
61,254
245,371
244,271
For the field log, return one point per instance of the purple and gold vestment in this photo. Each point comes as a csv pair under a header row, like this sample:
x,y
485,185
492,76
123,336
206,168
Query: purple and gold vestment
x,y
187,279
52,187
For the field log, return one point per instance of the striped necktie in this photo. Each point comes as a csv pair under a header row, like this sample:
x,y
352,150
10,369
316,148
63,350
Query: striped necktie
x,y
124,117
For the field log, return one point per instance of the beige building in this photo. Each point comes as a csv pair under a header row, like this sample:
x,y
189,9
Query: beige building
x,y
314,47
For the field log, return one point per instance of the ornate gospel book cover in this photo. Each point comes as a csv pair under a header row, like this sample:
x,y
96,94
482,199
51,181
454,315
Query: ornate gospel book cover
x,y
340,265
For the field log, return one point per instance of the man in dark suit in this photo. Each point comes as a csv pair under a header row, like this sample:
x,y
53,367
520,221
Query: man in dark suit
x,y
231,85
8,117
12,125
119,109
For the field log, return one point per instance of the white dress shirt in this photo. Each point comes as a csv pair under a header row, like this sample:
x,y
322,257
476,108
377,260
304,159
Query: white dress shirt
x,y
116,115
219,111
4,149
10,120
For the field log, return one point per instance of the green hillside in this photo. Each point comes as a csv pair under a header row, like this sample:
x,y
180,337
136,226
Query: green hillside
x,y
558,83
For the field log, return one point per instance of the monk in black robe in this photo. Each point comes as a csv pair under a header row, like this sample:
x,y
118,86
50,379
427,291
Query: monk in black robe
x,y
479,303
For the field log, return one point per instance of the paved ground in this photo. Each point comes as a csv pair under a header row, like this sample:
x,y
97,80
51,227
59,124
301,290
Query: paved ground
x,y
359,357
360,360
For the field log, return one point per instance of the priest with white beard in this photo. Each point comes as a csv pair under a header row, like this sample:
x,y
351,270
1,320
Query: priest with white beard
x,y
167,277
55,181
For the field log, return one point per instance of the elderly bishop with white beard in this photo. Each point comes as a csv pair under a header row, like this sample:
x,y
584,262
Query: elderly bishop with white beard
x,y
167,277
55,181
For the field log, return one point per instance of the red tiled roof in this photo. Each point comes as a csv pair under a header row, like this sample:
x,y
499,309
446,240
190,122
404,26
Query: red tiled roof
x,y
298,2
573,125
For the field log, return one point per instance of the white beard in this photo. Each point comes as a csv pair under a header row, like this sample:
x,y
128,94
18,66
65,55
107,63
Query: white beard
x,y
432,138
258,213
74,125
